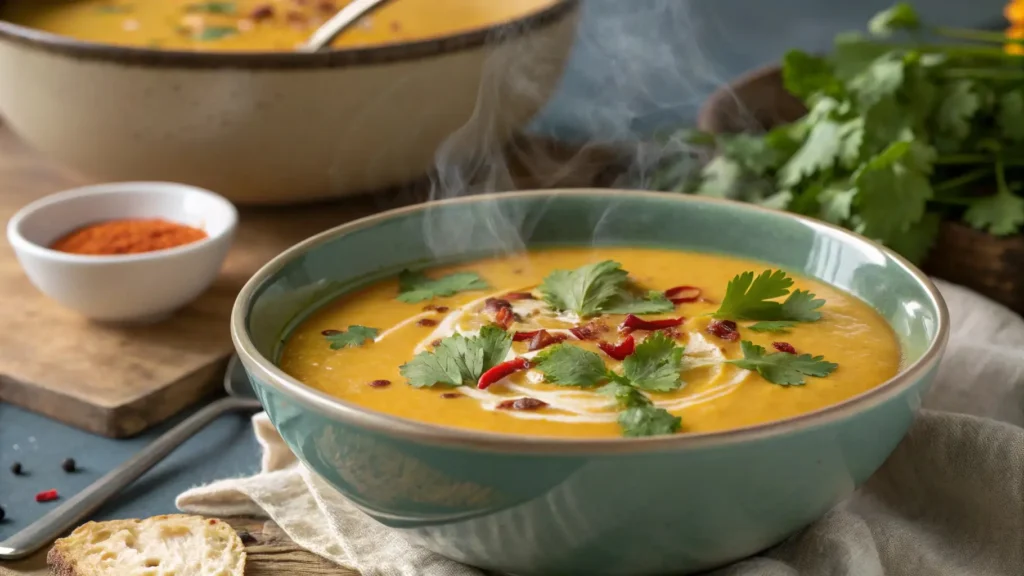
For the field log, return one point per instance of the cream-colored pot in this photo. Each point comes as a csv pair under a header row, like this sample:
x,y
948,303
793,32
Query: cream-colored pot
x,y
276,128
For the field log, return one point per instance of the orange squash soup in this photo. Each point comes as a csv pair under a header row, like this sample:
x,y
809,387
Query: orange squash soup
x,y
257,25
602,342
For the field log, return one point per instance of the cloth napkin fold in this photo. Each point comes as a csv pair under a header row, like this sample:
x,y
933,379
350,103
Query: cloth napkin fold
x,y
948,502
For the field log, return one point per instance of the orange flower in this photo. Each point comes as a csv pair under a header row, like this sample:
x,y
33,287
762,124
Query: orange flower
x,y
1014,11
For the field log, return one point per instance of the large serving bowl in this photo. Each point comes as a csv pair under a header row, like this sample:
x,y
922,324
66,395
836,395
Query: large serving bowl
x,y
278,127
529,505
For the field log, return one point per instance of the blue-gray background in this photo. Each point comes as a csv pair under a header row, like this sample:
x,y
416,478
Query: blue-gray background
x,y
638,64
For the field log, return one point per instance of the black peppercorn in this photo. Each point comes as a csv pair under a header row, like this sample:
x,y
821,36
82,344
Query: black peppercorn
x,y
2,513
68,464
16,468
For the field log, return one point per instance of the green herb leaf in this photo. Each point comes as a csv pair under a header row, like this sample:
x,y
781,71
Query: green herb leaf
x,y
805,75
648,421
653,302
416,287
1011,115
1001,213
720,178
213,7
772,326
881,79
625,395
802,306
892,194
782,368
355,336
458,360
211,33
655,365
568,365
599,288
749,298
902,16
959,104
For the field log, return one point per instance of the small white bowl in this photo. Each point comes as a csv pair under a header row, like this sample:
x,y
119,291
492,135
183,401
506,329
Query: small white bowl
x,y
141,287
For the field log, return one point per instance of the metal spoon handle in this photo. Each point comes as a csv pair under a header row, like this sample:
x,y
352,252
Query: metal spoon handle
x,y
339,22
80,506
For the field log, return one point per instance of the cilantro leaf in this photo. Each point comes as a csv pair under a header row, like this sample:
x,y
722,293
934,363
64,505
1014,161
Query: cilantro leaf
x,y
915,242
772,326
881,79
648,421
655,364
902,16
416,287
114,9
568,365
782,368
891,195
720,178
625,395
819,152
1011,115
653,302
355,336
836,203
802,306
748,298
458,360
805,75
958,106
211,33
1001,213
597,288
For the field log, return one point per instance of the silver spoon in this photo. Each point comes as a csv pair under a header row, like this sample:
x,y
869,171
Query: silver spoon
x,y
37,535
345,17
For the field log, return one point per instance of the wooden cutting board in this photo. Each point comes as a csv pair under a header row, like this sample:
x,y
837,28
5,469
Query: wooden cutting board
x,y
269,552
118,381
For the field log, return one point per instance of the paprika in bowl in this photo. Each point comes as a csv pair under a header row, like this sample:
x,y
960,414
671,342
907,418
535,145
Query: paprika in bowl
x,y
124,252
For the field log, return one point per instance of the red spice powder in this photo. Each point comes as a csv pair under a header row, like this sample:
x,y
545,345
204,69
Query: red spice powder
x,y
130,236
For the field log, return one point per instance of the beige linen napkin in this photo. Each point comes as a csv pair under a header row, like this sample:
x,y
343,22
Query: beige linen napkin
x,y
948,502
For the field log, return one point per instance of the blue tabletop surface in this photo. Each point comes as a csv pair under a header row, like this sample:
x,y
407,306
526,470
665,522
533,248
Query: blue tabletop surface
x,y
622,55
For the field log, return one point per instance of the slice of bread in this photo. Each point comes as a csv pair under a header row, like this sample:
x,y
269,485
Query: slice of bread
x,y
172,545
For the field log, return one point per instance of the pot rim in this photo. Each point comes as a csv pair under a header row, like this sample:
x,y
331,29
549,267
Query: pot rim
x,y
497,33
433,434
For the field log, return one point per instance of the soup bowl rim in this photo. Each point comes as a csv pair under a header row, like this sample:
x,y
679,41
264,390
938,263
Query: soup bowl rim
x,y
333,58
434,434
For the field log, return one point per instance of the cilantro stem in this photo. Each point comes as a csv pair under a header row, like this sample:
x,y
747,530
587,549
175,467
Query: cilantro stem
x,y
976,35
966,178
985,73
954,50
960,159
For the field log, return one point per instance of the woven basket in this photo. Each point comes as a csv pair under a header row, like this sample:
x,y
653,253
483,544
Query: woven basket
x,y
990,265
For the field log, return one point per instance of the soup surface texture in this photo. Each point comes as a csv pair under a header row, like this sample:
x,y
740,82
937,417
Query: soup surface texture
x,y
256,25
571,363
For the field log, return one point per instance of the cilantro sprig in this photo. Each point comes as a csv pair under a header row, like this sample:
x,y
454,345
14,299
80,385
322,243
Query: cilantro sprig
x,y
416,287
354,337
782,368
655,366
901,133
458,360
599,288
752,298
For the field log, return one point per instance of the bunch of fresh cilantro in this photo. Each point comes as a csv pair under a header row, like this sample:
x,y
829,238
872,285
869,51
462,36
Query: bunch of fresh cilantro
x,y
904,129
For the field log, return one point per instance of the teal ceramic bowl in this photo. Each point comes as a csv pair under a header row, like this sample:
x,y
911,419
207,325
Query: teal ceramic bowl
x,y
524,505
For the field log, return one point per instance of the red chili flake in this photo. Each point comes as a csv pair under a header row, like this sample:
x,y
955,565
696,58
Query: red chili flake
x,y
619,351
504,318
435,343
212,521
262,12
47,496
784,347
428,322
450,395
442,309
519,296
589,331
495,304
522,404
380,383
502,370
724,329
542,339
633,322
327,6
330,332
524,336
296,17
683,294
